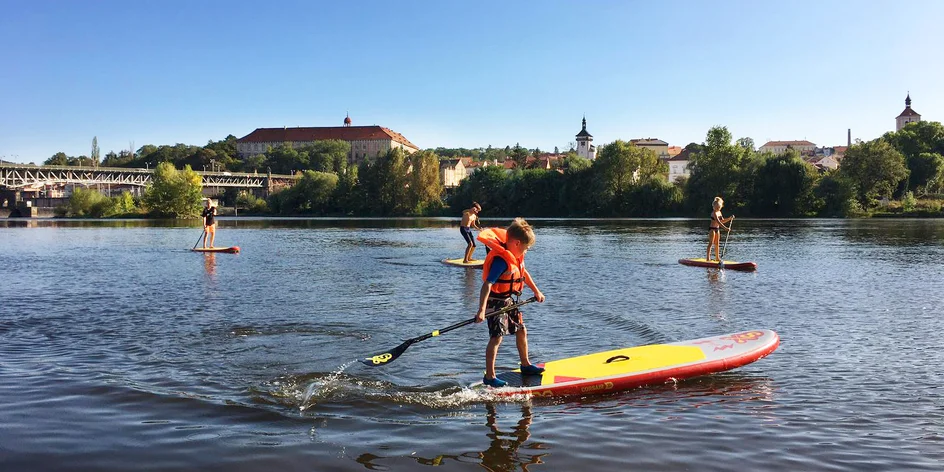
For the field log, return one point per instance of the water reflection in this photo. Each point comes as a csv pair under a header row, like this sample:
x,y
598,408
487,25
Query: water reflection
x,y
503,450
209,265
717,294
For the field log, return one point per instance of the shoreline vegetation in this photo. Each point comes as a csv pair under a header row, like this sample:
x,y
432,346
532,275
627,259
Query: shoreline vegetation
x,y
900,174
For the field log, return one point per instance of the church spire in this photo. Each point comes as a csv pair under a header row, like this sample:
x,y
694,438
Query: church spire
x,y
908,100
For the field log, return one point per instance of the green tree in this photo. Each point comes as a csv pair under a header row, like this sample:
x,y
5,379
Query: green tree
x,y
919,142
57,159
174,193
88,203
96,152
875,169
783,186
620,165
715,170
311,194
926,169
484,186
425,187
254,163
384,184
520,156
286,160
328,155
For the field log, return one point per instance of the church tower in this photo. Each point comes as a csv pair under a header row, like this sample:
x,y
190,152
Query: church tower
x,y
347,121
906,116
585,147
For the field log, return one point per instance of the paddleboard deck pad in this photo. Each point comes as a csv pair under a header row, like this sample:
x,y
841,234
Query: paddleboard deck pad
x,y
622,369
231,250
459,263
702,262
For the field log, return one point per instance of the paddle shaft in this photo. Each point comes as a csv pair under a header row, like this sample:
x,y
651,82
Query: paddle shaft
x,y
391,355
470,321
201,237
724,249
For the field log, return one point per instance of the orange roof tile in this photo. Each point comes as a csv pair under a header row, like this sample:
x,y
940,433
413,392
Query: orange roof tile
x,y
343,133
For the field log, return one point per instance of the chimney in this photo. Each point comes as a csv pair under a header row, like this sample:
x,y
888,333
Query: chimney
x,y
849,137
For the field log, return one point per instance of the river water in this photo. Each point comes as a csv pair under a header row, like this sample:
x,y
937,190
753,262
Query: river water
x,y
122,350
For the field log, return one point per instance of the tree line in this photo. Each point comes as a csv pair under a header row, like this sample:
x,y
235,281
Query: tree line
x,y
624,181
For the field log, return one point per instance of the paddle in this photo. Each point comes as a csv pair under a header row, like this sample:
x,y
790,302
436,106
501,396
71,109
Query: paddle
x,y
724,248
387,357
201,237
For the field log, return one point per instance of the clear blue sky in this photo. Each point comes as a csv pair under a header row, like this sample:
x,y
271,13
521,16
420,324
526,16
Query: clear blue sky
x,y
461,74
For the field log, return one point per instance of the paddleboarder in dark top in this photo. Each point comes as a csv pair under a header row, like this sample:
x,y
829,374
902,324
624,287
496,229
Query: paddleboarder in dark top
x,y
209,223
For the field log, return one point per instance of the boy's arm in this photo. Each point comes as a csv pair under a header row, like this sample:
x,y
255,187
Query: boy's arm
x,y
530,283
483,301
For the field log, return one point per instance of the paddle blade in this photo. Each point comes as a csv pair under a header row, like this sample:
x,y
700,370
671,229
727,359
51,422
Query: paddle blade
x,y
386,357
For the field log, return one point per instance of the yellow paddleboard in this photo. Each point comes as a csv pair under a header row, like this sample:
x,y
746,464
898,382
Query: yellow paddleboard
x,y
626,368
459,263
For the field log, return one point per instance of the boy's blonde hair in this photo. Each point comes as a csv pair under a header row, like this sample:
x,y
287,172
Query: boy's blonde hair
x,y
717,203
521,230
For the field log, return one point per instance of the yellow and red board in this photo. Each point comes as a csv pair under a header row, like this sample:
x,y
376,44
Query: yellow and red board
x,y
631,367
733,265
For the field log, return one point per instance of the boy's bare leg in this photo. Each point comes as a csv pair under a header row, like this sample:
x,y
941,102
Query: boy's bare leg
x,y
491,352
521,339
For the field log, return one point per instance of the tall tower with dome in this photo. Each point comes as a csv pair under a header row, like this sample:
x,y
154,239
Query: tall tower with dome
x,y
907,116
585,147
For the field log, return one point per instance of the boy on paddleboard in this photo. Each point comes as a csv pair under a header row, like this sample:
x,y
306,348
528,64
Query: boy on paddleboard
x,y
504,276
714,228
209,222
470,219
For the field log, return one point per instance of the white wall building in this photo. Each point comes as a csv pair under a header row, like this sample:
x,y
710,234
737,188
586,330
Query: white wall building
x,y
452,172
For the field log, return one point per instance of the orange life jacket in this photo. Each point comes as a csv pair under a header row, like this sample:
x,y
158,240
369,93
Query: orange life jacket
x,y
511,282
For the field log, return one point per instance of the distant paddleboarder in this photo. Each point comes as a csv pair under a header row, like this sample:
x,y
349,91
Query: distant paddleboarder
x,y
209,222
470,219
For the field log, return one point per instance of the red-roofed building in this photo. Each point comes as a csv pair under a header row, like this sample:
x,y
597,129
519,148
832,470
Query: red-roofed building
x,y
365,141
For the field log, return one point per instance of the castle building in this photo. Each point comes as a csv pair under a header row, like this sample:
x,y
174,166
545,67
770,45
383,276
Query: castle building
x,y
367,142
907,116
585,147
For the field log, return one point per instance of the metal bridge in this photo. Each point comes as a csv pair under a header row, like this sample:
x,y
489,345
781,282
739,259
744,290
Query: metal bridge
x,y
24,176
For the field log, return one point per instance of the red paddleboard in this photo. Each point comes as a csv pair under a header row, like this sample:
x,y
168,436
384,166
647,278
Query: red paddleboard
x,y
702,262
622,369
230,250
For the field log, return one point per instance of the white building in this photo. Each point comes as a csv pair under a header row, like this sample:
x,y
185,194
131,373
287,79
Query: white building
x,y
452,172
907,116
585,147
678,166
